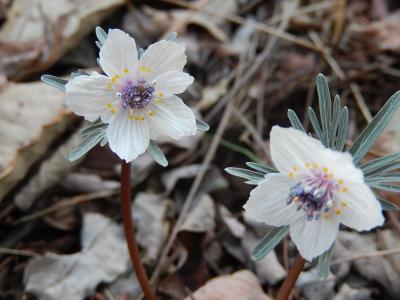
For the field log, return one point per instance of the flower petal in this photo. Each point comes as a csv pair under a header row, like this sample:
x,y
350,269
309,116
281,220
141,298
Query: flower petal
x,y
118,53
267,202
162,57
291,148
359,207
313,238
173,82
171,117
356,204
88,96
128,138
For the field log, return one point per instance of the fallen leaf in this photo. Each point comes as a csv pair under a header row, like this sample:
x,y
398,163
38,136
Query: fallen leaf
x,y
211,94
32,116
241,285
315,288
236,228
82,183
149,214
38,32
201,217
348,293
75,276
169,179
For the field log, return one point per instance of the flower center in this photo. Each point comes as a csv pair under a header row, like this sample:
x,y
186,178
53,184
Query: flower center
x,y
137,95
314,194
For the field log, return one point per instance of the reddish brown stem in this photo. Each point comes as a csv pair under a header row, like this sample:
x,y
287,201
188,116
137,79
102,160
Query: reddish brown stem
x,y
290,280
126,210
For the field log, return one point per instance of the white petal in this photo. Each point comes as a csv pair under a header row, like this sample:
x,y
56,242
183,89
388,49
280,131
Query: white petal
x,y
128,138
291,148
89,96
173,82
359,207
267,202
171,118
162,57
118,53
313,238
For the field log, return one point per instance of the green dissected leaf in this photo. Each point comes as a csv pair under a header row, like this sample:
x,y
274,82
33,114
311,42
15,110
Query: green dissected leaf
x,y
325,106
54,81
294,120
324,263
387,205
335,122
385,187
101,35
315,124
261,168
342,130
379,163
383,179
90,137
157,154
269,242
371,133
202,126
244,173
172,36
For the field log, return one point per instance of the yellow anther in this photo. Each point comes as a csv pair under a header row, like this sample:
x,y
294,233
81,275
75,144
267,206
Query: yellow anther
x,y
109,105
307,165
161,94
151,113
295,168
315,166
343,204
340,181
330,175
291,175
344,190
126,70
109,85
338,211
325,216
113,110
137,118
142,118
130,117
324,169
144,69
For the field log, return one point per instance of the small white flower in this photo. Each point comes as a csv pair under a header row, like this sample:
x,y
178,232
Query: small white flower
x,y
316,190
137,97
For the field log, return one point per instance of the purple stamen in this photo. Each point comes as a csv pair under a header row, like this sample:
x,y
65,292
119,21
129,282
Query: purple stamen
x,y
137,95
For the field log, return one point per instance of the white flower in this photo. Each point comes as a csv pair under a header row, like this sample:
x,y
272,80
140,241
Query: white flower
x,y
316,190
137,97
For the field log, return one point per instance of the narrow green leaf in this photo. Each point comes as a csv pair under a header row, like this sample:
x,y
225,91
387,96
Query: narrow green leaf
x,y
261,168
157,154
101,34
325,106
387,205
335,122
202,126
379,163
324,263
385,187
371,133
103,142
98,44
244,173
342,130
90,137
294,120
172,36
383,179
269,242
79,72
315,124
54,81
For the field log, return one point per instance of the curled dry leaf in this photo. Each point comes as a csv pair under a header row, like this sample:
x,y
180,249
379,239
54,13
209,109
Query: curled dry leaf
x,y
75,276
242,285
201,217
32,115
38,32
171,178
87,183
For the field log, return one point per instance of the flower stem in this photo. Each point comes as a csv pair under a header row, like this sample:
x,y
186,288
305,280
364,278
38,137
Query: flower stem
x,y
290,280
126,210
